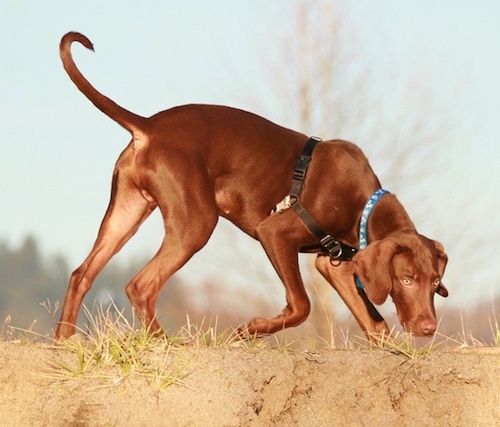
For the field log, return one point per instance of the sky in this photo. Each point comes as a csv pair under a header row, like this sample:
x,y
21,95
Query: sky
x,y
57,151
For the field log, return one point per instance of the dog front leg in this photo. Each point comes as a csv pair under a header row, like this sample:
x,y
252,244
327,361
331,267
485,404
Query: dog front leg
x,y
279,241
341,278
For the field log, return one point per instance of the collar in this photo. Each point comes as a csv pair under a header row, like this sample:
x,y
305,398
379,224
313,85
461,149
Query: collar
x,y
363,225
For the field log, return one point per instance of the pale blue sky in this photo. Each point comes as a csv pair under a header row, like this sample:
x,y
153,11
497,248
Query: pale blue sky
x,y
57,151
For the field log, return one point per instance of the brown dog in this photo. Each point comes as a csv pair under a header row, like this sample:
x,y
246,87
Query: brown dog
x,y
197,162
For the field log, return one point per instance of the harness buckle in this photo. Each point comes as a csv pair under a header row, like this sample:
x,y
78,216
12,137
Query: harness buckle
x,y
333,247
299,174
284,204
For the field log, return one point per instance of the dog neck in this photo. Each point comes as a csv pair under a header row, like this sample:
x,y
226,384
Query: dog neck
x,y
387,217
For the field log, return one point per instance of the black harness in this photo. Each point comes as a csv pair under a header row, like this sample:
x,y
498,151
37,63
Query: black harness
x,y
335,249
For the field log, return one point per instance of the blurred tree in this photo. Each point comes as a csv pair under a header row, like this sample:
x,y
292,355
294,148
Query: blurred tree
x,y
26,280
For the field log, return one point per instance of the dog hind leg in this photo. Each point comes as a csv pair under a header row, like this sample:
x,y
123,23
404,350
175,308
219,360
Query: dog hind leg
x,y
126,212
188,226
143,290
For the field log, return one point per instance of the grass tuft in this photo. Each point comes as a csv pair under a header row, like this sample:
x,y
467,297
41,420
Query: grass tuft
x,y
207,335
494,327
404,344
112,347
496,332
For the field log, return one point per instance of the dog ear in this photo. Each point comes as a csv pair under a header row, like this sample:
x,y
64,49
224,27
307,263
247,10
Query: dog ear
x,y
442,260
372,265
441,290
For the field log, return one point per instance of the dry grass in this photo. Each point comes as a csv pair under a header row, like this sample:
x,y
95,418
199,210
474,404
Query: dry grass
x,y
114,348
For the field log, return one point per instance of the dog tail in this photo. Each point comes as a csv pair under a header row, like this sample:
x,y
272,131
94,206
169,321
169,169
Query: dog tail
x,y
130,121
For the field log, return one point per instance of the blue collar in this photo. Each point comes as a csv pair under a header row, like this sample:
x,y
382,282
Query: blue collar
x,y
363,225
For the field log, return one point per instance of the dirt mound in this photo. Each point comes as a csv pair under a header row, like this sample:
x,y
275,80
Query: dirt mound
x,y
256,387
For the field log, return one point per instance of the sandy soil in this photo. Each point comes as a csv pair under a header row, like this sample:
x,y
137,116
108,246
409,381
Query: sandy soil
x,y
256,387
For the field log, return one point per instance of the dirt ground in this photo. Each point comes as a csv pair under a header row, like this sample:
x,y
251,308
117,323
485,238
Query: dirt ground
x,y
257,387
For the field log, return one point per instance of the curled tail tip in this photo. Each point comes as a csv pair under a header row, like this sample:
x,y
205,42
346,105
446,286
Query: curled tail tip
x,y
74,36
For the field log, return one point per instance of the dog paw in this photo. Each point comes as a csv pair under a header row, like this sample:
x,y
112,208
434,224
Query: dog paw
x,y
255,328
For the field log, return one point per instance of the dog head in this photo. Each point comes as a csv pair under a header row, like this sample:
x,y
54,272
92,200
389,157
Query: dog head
x,y
409,267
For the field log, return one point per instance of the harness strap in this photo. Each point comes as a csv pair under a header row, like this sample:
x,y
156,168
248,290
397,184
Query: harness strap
x,y
334,248
299,172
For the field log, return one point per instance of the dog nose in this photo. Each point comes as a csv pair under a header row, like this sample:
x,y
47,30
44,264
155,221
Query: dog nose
x,y
428,327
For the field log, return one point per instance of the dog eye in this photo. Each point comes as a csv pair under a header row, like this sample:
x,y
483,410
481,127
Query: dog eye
x,y
406,281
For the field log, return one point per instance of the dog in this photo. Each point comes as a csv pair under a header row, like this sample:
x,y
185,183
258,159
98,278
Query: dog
x,y
198,162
